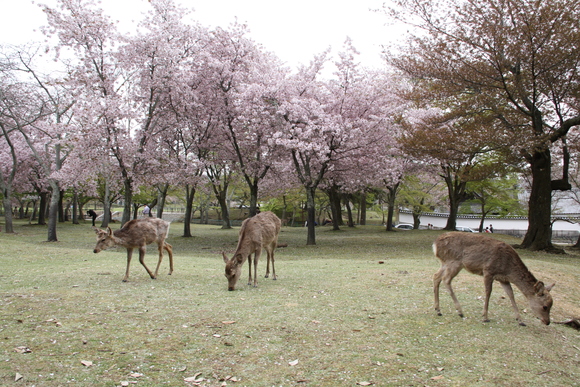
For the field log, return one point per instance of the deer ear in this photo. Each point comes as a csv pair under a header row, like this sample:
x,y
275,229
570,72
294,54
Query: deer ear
x,y
109,231
539,288
226,260
239,259
96,230
549,287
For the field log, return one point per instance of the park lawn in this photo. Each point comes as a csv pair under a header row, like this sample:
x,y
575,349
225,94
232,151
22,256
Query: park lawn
x,y
356,309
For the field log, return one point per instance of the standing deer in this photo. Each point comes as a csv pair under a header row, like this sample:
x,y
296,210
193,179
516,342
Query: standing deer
x,y
494,260
260,231
137,233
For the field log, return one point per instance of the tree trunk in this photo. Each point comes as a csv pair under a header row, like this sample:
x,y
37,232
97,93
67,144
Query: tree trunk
x,y
453,210
456,190
128,198
392,196
350,222
223,202
334,199
75,218
161,197
253,198
363,209
539,234
42,208
189,195
61,217
53,211
310,223
8,227
106,206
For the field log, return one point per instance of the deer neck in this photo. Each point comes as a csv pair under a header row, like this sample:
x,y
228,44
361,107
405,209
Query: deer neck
x,y
119,238
524,280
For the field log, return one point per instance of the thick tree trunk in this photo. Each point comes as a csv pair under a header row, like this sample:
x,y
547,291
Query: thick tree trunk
x,y
539,234
456,190
392,196
61,217
334,199
42,208
253,199
222,200
106,206
75,218
453,210
311,222
8,226
189,195
53,212
128,198
161,197
363,209
350,221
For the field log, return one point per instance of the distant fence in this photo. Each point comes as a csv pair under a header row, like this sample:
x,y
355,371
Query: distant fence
x,y
568,236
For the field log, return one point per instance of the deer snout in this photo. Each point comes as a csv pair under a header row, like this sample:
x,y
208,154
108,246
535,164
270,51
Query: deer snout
x,y
96,251
546,322
230,288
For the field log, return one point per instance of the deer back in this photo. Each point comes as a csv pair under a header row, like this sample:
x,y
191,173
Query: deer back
x,y
479,254
259,231
134,234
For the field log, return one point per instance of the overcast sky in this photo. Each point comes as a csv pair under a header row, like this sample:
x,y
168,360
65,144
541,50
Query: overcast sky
x,y
294,30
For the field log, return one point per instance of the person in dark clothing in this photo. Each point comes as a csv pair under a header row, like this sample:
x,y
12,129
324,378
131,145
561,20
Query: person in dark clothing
x,y
93,215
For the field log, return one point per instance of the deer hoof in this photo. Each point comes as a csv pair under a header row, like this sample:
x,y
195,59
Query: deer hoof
x,y
267,275
461,315
439,314
522,324
486,320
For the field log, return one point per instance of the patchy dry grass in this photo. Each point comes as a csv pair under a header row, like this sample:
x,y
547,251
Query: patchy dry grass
x,y
335,317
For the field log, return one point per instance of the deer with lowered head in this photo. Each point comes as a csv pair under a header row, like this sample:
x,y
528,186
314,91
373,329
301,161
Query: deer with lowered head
x,y
137,234
257,233
494,260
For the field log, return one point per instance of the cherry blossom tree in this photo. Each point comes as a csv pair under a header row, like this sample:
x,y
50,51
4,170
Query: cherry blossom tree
x,y
336,126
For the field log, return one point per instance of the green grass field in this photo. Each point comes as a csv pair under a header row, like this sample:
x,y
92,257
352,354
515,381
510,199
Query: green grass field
x,y
354,310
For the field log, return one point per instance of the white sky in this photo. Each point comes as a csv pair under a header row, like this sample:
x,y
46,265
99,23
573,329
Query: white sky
x,y
294,30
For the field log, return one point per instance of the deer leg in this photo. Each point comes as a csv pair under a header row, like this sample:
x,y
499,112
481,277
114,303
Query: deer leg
x,y
256,259
169,249
271,258
509,291
449,272
142,250
129,255
250,270
488,282
268,265
436,282
160,250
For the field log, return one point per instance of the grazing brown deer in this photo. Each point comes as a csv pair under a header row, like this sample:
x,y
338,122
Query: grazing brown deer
x,y
260,231
137,233
494,260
